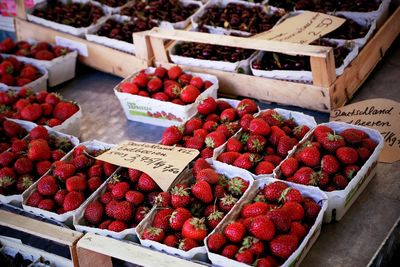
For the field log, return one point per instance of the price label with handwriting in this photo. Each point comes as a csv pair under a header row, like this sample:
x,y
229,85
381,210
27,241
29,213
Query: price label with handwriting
x,y
162,163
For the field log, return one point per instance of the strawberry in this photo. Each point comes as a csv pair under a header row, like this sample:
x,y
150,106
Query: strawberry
x,y
73,200
283,245
187,244
141,212
195,142
289,166
311,210
353,136
191,125
259,127
129,88
185,79
208,175
290,194
189,94
203,191
281,219
59,197
216,242
237,186
350,171
235,232
39,150
42,167
19,146
321,131
154,234
347,155
64,110
262,227
174,72
245,256
47,185
329,164
331,142
134,175
305,175
228,157
310,156
117,226
6,158
255,143
228,129
245,161
160,96
134,197
233,144
154,85
64,171
23,166
179,196
109,168
123,211
215,139
214,218
264,167
161,218
31,112
105,224
226,203
194,228
95,170
141,79
171,136
46,204
24,182
6,67
163,199
34,199
230,251
369,144
228,115
119,190
173,91
106,197
272,117
295,210
273,191
197,82
267,261
94,212
199,165
178,218
246,106
363,154
76,183
340,181
207,106
44,55
285,144
160,72
300,131
146,183
171,241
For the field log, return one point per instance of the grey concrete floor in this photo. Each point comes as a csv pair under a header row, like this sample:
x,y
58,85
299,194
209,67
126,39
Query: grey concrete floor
x,y
350,242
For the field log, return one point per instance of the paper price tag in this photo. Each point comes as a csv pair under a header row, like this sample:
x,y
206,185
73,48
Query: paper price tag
x,y
162,163
74,45
380,114
303,28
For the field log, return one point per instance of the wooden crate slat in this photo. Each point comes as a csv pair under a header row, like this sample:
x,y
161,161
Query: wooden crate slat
x,y
101,245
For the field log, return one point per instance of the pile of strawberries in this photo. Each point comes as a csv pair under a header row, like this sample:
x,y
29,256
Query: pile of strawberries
x,y
28,158
263,143
40,50
189,212
216,121
10,132
269,229
43,108
171,85
329,160
71,181
127,199
16,73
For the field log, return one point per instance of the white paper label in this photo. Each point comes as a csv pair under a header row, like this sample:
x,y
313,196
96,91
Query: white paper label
x,y
78,46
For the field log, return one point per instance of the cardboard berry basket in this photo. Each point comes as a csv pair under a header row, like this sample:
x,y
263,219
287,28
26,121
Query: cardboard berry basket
x,y
295,259
197,253
39,257
153,111
37,85
62,27
67,216
17,198
339,201
299,117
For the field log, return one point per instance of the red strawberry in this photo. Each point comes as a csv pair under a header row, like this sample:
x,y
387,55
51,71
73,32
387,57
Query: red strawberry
x,y
44,55
259,127
255,143
237,186
6,158
60,196
129,88
246,106
208,175
146,183
273,191
235,232
94,212
347,155
272,117
199,165
295,210
290,194
179,196
171,136
160,72
173,90
6,67
160,96
47,185
245,256
329,164
64,171
161,218
285,144
34,199
320,132
135,197
178,218
192,125
300,131
207,106
305,175
215,139
174,72
123,211
369,144
189,94
311,210
203,191
187,244
310,156
73,200
283,245
105,224
281,219
117,226
76,183
331,142
23,166
195,142
197,81
234,145
19,146
363,154
194,228
64,110
154,85
134,175
289,166
264,167
230,251
141,79
254,245
31,112
350,171
353,136
42,167
163,199
214,218
46,204
254,209
267,261
171,241
298,230
245,161
226,203
141,212
262,227
12,129
228,115
228,157
216,242
39,150
340,181
24,182
109,168
154,234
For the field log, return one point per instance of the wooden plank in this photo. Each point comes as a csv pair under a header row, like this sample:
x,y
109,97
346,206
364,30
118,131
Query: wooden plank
x,y
358,71
105,246
160,52
100,57
288,93
323,70
257,44
142,45
20,9
41,229
89,258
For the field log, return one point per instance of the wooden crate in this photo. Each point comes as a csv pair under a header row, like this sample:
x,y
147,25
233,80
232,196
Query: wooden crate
x,y
44,230
95,250
99,57
327,91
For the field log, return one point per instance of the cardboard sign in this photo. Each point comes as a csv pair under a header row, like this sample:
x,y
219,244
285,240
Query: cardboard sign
x,y
162,163
380,114
303,28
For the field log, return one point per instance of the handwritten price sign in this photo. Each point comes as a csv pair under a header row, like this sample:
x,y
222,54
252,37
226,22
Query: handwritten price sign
x,y
303,28
162,163
380,114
